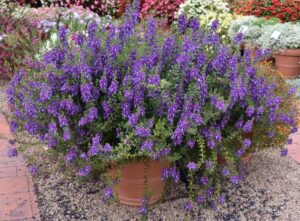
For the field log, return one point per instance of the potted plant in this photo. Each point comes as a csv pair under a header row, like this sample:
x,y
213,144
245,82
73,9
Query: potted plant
x,y
284,41
146,108
251,28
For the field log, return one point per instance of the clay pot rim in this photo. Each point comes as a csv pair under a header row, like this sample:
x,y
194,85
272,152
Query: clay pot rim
x,y
288,52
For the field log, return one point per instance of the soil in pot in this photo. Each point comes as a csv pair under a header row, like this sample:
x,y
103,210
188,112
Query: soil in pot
x,y
130,188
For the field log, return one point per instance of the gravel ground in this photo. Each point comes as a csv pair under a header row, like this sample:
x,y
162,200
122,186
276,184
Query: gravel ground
x,y
270,191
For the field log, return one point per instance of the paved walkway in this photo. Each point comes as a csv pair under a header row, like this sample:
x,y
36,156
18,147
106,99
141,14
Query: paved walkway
x,y
17,198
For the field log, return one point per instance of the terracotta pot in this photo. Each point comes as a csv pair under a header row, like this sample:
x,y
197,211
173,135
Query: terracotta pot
x,y
131,186
288,63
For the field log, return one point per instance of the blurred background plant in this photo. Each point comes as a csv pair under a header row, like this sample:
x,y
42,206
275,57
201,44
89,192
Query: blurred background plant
x,y
101,7
160,9
19,39
251,27
207,11
289,37
285,10
278,134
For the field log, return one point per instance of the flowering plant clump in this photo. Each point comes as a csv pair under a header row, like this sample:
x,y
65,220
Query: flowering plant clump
x,y
207,11
289,37
103,7
253,28
160,8
127,94
75,18
286,11
19,39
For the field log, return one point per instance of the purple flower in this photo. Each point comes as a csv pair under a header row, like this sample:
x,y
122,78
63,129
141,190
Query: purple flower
x,y
211,144
182,24
52,128
215,25
235,180
11,142
217,103
225,172
192,166
289,141
33,169
284,152
108,192
142,132
147,145
210,191
170,173
154,80
95,147
85,171
191,143
45,93
247,128
63,35
240,152
271,134
107,148
83,156
208,164
12,152
188,206
144,207
71,155
250,111
204,180
113,88
92,114
239,124
247,143
63,122
292,90
163,152
133,119
201,198
194,24
86,92
238,38
221,199
67,134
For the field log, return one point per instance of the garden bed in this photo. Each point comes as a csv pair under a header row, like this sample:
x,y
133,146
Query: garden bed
x,y
270,191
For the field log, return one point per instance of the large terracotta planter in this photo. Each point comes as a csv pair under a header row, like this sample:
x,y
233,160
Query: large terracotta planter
x,y
131,186
288,63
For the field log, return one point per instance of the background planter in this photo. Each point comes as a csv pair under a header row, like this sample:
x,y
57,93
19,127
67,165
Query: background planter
x,y
288,63
131,186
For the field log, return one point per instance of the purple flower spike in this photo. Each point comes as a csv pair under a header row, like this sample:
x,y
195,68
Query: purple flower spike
x,y
247,143
221,199
12,152
289,141
225,172
144,207
284,152
235,180
192,166
204,180
108,192
85,171
33,169
188,206
201,199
